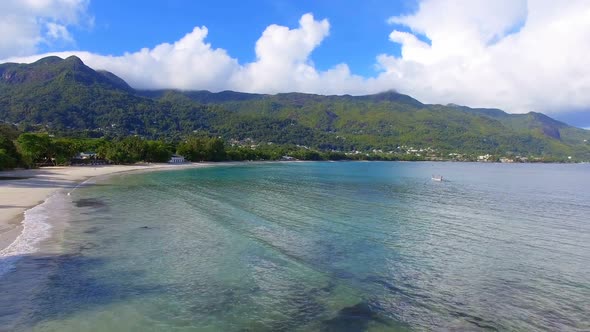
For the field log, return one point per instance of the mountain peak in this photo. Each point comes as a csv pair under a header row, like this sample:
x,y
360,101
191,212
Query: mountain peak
x,y
54,71
74,60
50,60
392,96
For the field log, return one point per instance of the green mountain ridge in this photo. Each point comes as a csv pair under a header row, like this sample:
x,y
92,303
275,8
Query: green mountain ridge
x,y
66,97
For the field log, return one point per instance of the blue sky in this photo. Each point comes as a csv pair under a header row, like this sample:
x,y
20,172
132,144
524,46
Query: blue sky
x,y
359,29
516,55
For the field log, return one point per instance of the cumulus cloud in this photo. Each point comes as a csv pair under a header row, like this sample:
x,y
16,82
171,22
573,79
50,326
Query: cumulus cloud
x,y
189,63
282,63
516,55
282,57
27,24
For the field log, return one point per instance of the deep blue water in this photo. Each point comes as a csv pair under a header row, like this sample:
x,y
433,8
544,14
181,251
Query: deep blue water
x,y
351,246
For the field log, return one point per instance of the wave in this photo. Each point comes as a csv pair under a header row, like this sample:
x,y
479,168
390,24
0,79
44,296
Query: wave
x,y
36,228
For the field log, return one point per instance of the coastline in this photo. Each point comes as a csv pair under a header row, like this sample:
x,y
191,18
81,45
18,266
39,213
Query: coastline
x,y
27,189
32,187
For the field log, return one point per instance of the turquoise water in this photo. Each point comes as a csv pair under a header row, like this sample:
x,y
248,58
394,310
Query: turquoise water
x,y
365,246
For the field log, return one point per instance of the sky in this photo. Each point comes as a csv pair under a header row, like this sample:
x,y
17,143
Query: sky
x,y
516,55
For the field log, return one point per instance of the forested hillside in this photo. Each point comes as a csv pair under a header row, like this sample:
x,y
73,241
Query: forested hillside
x,y
64,97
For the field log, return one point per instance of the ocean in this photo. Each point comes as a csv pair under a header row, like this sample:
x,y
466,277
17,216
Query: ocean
x,y
313,246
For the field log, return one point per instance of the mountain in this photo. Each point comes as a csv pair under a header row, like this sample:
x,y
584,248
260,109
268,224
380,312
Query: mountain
x,y
54,68
65,96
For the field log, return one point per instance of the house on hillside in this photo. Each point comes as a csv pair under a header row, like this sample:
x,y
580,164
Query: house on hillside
x,y
176,159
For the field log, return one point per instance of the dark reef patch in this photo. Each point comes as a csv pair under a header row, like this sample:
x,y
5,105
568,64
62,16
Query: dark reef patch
x,y
90,202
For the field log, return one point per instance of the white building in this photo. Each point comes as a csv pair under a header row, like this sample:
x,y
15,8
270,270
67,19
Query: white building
x,y
86,155
484,157
176,159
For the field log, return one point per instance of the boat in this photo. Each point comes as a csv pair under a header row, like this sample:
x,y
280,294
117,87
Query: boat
x,y
437,178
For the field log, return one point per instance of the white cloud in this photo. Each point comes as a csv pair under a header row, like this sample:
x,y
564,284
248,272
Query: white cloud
x,y
57,31
189,63
517,55
26,24
282,63
282,57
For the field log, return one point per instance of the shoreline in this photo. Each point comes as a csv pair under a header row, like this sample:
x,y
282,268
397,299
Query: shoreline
x,y
28,188
32,187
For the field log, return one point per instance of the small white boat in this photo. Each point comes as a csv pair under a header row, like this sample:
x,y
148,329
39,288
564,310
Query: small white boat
x,y
437,178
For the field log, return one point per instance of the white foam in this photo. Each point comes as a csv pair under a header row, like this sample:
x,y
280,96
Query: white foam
x,y
36,228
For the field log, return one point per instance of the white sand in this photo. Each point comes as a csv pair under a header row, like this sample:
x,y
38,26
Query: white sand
x,y
17,196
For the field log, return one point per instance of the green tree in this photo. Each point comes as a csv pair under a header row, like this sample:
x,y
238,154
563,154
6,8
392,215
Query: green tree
x,y
134,147
157,151
193,149
10,155
7,161
63,150
304,154
203,149
215,150
114,152
34,148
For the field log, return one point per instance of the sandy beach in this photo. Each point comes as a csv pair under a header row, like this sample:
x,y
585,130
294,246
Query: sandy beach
x,y
20,190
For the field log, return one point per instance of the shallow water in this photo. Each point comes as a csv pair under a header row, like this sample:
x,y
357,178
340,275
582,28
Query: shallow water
x,y
361,246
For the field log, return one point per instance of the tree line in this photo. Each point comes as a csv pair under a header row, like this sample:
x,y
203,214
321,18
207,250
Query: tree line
x,y
29,150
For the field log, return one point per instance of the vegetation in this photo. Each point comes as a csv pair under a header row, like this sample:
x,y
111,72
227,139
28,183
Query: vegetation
x,y
9,157
38,149
76,108
31,150
202,149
